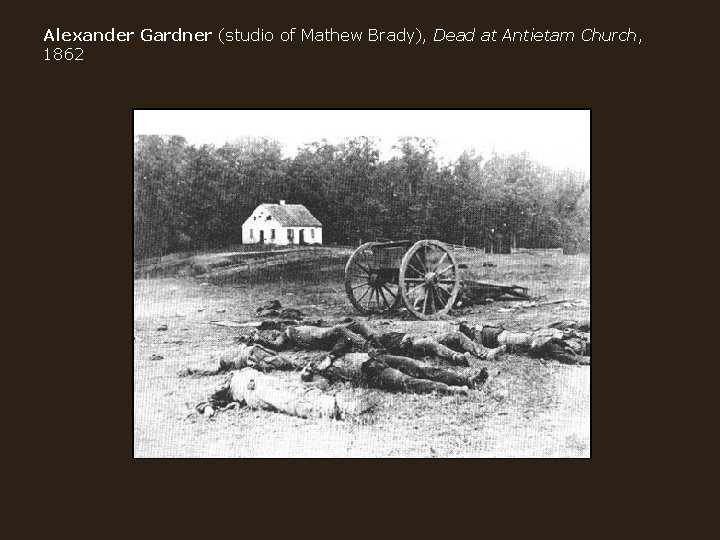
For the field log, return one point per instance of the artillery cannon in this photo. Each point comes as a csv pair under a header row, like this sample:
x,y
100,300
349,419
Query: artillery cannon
x,y
423,276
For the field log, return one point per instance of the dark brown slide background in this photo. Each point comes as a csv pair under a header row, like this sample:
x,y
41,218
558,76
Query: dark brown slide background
x,y
76,124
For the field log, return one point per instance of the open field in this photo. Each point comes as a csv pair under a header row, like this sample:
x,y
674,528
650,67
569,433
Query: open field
x,y
528,407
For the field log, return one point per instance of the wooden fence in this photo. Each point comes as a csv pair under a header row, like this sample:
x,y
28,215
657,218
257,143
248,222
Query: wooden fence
x,y
530,251
466,249
538,251
267,259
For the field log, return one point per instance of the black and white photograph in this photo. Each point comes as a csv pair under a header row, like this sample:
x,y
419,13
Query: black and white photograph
x,y
357,283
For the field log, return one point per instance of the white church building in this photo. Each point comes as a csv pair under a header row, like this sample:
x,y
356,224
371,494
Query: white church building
x,y
281,224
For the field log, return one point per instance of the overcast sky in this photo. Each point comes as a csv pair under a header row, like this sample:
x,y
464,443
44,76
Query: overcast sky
x,y
558,139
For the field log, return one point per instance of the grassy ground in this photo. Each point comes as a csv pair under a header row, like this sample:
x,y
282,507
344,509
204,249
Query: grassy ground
x,y
528,407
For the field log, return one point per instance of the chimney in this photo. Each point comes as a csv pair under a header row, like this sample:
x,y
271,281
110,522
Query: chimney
x,y
282,202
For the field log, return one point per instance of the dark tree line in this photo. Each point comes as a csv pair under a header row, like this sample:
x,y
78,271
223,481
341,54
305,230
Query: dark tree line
x,y
189,197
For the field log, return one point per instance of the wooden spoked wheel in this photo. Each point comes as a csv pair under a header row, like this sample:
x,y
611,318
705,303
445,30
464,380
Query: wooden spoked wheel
x,y
371,286
429,279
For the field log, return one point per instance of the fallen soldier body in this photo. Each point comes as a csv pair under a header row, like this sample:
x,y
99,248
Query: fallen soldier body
x,y
376,370
259,358
348,368
452,347
388,372
259,391
565,341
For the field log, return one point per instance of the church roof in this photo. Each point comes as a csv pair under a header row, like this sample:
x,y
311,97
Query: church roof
x,y
291,215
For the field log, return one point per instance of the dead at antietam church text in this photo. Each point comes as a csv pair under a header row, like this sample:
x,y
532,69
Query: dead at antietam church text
x,y
533,35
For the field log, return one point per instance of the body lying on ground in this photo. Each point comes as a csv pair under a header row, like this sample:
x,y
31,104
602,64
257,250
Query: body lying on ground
x,y
565,341
378,369
260,391
259,358
375,370
452,347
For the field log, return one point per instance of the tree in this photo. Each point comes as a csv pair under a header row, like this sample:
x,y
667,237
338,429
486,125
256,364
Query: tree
x,y
197,197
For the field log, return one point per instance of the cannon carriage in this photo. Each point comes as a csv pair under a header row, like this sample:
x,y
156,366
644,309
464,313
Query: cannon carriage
x,y
423,276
